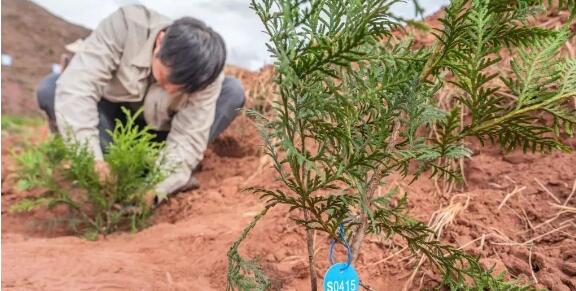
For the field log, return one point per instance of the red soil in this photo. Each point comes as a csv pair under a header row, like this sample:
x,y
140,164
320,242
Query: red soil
x,y
186,247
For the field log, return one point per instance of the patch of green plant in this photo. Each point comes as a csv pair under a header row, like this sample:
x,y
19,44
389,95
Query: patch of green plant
x,y
246,275
356,105
65,171
483,280
28,204
13,123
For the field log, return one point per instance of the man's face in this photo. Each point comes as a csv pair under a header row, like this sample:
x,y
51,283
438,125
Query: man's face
x,y
161,71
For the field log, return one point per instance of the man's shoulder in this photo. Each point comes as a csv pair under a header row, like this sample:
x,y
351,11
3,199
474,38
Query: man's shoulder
x,y
141,15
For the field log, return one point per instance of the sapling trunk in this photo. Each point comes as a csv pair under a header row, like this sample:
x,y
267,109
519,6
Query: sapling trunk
x,y
311,261
370,191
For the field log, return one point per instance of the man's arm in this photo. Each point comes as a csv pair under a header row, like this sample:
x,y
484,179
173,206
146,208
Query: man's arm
x,y
188,138
81,85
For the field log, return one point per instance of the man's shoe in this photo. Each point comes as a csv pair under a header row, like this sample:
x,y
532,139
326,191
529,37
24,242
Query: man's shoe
x,y
192,184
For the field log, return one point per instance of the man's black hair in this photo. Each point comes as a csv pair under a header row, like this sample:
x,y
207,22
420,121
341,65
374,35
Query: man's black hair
x,y
194,52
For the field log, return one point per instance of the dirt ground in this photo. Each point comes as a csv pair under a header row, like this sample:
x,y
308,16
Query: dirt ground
x,y
186,247
510,215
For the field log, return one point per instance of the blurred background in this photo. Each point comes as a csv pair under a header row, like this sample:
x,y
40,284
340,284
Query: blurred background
x,y
232,18
34,33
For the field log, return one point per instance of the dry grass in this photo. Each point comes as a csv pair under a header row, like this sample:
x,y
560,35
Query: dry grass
x,y
439,220
546,190
562,208
516,190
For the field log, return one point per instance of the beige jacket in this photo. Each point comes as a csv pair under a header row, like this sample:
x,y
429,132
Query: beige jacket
x,y
114,63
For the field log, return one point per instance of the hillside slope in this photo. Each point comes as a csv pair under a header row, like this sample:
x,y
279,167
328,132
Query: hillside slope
x,y
35,39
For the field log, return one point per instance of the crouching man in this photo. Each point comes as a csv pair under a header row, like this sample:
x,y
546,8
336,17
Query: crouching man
x,y
139,58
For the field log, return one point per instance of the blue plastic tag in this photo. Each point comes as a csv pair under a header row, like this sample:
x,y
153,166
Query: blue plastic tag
x,y
341,277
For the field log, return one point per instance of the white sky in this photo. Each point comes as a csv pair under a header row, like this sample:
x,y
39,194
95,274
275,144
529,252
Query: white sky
x,y
239,26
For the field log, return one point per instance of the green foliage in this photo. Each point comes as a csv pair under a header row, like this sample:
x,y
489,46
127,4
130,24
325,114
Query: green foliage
x,y
485,281
65,171
16,123
242,274
28,204
356,104
31,170
133,160
469,48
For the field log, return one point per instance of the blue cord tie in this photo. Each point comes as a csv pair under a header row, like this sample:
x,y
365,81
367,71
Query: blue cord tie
x,y
341,235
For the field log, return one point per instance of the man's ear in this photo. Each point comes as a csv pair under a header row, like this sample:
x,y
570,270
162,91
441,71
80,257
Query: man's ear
x,y
158,43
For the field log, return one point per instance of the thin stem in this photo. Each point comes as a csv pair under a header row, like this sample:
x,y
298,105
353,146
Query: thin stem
x,y
310,246
431,62
234,260
248,228
309,232
502,119
370,190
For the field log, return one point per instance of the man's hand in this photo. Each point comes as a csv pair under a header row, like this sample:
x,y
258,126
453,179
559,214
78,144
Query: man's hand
x,y
102,170
148,204
150,199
